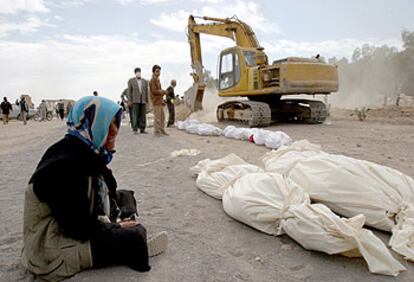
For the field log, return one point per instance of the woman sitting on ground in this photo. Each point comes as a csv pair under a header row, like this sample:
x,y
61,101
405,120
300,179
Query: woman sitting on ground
x,y
67,194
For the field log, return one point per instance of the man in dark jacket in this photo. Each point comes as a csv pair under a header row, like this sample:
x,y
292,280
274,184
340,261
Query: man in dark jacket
x,y
171,103
61,110
6,107
137,101
24,109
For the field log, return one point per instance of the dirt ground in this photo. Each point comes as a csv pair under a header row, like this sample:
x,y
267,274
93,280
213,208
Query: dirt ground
x,y
389,114
205,244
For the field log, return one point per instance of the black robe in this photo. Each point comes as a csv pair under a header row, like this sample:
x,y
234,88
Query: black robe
x,y
61,181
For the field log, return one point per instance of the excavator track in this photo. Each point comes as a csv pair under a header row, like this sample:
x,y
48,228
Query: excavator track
x,y
255,114
319,112
262,114
299,110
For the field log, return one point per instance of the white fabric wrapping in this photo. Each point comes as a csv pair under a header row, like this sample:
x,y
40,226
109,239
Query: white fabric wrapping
x,y
182,125
239,133
185,152
261,199
215,176
402,239
271,139
215,183
193,126
274,140
203,129
350,187
286,157
273,204
216,165
259,136
317,228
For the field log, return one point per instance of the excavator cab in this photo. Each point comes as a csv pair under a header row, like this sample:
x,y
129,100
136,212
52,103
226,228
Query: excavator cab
x,y
237,66
229,70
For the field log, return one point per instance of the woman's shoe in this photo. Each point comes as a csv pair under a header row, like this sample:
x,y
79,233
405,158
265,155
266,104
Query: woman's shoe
x,y
157,243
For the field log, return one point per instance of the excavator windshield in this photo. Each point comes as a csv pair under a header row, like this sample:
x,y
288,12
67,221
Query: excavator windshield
x,y
229,72
250,58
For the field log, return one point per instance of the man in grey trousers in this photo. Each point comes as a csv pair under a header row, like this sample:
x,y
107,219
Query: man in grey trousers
x,y
137,101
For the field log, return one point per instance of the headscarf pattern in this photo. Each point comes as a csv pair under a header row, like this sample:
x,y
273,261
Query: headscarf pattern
x,y
89,120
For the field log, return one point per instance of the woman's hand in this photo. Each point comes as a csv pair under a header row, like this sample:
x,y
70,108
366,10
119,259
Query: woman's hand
x,y
128,223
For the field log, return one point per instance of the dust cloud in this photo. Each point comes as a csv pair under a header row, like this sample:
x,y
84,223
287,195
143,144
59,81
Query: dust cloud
x,y
211,100
375,76
365,86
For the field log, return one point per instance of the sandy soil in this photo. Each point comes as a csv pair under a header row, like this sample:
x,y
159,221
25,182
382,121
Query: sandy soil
x,y
389,114
205,244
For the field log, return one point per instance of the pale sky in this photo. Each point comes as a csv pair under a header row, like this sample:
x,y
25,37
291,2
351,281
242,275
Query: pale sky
x,y
67,49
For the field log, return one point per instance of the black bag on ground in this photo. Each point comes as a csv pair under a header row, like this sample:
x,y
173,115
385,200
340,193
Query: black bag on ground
x,y
127,204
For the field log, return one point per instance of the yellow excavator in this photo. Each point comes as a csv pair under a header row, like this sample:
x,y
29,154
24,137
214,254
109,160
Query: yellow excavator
x,y
244,71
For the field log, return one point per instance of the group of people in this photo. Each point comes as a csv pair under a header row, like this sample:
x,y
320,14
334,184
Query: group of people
x,y
137,98
43,110
6,108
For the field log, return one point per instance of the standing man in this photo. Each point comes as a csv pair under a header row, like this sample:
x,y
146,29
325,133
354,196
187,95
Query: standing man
x,y
157,101
6,107
24,109
171,103
137,100
43,110
68,108
61,109
124,98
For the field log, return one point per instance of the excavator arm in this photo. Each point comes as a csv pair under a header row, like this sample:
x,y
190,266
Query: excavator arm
x,y
231,28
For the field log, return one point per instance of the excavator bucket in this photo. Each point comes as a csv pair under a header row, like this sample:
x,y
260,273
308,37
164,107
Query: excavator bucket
x,y
196,97
198,103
